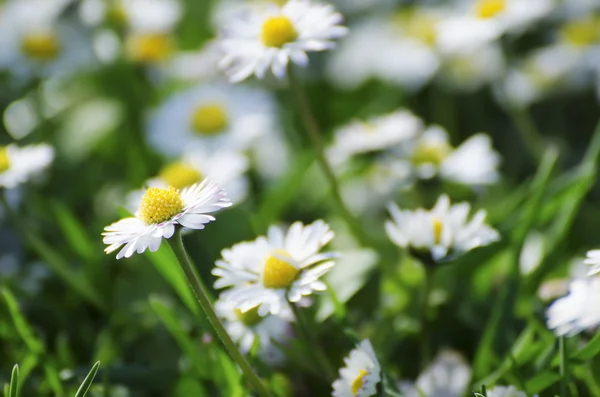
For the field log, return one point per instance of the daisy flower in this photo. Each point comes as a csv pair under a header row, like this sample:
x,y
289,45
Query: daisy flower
x,y
505,391
247,328
277,268
226,168
270,37
593,260
573,313
448,375
213,116
19,164
443,232
160,211
361,377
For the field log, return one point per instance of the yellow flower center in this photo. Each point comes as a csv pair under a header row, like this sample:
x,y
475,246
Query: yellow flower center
x,y
357,383
277,272
581,33
277,31
490,8
249,318
437,230
4,160
430,153
418,25
179,175
149,47
40,46
209,119
159,205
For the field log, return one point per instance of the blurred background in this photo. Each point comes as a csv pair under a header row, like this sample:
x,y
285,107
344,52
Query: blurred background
x,y
123,90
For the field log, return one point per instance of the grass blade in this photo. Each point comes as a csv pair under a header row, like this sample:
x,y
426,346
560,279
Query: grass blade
x,y
13,389
87,382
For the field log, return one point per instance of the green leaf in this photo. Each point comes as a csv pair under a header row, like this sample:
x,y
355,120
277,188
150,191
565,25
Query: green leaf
x,y
14,382
73,231
23,329
589,351
87,382
541,382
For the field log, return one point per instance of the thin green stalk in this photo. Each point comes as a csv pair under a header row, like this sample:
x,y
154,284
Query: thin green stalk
x,y
424,337
311,340
565,373
316,139
531,136
177,245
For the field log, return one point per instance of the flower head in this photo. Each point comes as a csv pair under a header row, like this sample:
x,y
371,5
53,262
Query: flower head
x,y
505,391
271,270
270,37
440,233
573,313
593,260
160,210
361,375
19,164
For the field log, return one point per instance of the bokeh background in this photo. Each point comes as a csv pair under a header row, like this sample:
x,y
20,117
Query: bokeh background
x,y
98,80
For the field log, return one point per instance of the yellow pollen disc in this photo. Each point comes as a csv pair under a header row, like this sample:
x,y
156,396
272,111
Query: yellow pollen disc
x,y
278,273
4,160
357,383
430,153
209,119
490,8
583,32
249,318
277,31
180,175
159,205
40,46
149,47
437,230
418,25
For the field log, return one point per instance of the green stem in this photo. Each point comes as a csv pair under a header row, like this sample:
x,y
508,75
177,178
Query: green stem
x,y
564,367
316,139
531,136
177,245
426,292
311,340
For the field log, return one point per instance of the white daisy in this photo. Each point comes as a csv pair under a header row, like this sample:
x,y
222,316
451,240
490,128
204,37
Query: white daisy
x,y
248,328
36,40
271,270
361,377
196,66
271,37
375,134
440,233
593,260
213,116
469,71
573,313
226,168
448,375
19,164
505,391
160,211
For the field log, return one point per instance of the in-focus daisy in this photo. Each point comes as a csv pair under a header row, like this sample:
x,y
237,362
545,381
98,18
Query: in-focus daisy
x,y
448,375
160,211
375,134
269,271
573,313
226,168
270,37
211,116
248,328
19,164
505,391
441,233
361,377
593,260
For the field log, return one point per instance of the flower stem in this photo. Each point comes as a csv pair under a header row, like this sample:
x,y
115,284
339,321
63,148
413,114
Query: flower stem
x,y
311,340
426,292
177,245
315,136
531,136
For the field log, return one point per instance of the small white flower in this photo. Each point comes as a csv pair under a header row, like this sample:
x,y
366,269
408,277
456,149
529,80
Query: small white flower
x,y
469,71
448,375
19,164
593,260
505,391
270,37
226,168
361,375
375,134
271,270
440,233
214,116
246,328
160,211
574,312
